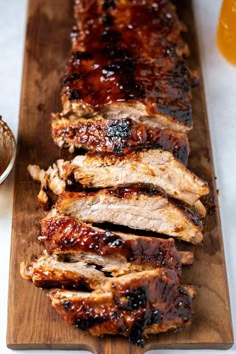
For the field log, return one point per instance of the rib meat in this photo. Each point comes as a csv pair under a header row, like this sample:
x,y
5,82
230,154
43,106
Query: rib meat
x,y
107,170
125,63
126,96
129,88
76,270
62,234
116,135
162,29
157,167
133,305
79,256
72,273
136,206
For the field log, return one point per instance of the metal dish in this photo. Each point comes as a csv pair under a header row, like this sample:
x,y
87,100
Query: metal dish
x,y
7,150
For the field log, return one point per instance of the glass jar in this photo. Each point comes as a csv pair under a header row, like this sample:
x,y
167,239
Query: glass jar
x,y
226,31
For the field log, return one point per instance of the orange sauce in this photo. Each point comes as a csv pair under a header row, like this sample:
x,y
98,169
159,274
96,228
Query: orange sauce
x,y
226,32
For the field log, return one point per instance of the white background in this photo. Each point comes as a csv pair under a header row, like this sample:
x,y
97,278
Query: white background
x,y
220,87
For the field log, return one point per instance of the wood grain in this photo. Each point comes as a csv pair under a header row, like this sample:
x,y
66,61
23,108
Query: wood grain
x,y
32,323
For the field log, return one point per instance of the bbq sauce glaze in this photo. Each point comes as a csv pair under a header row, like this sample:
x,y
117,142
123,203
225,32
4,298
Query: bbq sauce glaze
x,y
125,52
120,136
153,300
66,234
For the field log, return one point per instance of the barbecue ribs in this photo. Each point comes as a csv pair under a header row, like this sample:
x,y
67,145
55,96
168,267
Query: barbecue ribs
x,y
126,97
79,256
137,206
122,68
133,305
118,136
62,234
107,170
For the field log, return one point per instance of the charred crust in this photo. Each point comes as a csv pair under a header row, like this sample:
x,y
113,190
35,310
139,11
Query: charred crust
x,y
75,95
181,153
183,292
188,211
86,323
79,55
132,299
120,137
156,317
108,5
119,129
67,305
136,334
150,317
113,241
108,20
136,298
65,234
182,114
71,77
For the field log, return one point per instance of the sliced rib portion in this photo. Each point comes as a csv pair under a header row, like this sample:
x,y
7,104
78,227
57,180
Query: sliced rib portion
x,y
107,170
118,136
157,167
78,270
85,270
61,234
136,206
133,305
50,272
79,256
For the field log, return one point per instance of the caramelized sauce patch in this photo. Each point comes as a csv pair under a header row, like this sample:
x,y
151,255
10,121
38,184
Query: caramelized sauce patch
x,y
126,53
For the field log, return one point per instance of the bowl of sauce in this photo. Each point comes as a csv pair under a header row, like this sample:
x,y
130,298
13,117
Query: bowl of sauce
x,y
7,150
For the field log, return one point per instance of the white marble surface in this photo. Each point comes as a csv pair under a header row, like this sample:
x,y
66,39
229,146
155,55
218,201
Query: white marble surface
x,y
220,86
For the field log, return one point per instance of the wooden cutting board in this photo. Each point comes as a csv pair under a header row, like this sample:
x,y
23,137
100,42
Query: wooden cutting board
x,y
32,323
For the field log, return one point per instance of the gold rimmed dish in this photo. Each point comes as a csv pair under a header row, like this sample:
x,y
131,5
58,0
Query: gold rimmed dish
x,y
7,150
